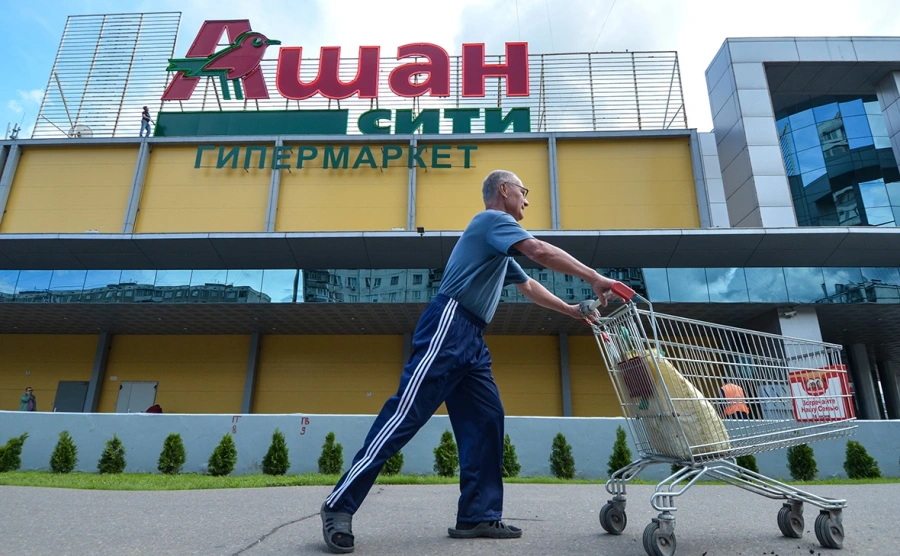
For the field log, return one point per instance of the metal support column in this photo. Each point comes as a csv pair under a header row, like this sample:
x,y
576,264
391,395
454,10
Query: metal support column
x,y
250,379
564,374
554,182
863,382
9,172
98,374
411,195
274,192
890,386
137,188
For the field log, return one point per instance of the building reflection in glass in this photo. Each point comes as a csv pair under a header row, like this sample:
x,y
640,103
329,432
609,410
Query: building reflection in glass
x,y
839,162
660,285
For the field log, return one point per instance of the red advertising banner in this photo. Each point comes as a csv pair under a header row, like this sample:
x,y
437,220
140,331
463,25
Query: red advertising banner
x,y
822,394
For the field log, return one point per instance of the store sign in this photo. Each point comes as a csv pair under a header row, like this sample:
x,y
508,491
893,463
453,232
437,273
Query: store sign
x,y
333,156
822,394
239,65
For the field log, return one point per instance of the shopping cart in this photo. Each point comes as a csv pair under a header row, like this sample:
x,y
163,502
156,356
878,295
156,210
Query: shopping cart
x,y
669,372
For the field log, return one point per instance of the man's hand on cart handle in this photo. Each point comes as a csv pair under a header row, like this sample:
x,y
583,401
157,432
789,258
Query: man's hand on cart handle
x,y
609,289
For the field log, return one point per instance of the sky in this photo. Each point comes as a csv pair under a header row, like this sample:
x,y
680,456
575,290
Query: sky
x,y
695,29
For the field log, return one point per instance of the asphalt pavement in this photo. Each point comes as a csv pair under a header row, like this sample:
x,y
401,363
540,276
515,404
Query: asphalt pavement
x,y
413,521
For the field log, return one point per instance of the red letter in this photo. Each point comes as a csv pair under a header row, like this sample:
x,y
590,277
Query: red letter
x,y
437,67
515,70
328,81
181,87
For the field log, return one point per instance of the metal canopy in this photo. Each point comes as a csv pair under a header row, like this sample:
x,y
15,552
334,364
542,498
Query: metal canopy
x,y
732,247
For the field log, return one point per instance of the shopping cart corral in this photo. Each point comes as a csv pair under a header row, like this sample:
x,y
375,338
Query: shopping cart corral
x,y
699,395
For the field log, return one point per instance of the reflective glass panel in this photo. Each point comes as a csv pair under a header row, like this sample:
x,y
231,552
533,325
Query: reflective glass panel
x,y
804,285
33,281
860,142
811,159
885,275
245,285
727,285
881,142
893,191
873,107
138,277
766,285
101,279
657,284
806,138
841,279
826,112
874,193
278,286
852,108
68,281
173,278
688,285
203,277
881,216
857,126
8,279
813,175
801,120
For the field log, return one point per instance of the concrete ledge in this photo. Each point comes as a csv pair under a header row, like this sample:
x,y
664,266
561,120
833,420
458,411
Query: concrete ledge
x,y
591,439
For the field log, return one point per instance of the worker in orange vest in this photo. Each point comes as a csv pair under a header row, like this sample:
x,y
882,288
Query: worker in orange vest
x,y
735,404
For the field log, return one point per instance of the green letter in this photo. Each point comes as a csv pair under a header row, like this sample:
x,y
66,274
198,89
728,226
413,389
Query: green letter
x,y
368,122
343,155
281,153
429,120
462,118
369,159
385,157
249,153
301,155
465,149
233,155
520,118
435,156
200,149
417,155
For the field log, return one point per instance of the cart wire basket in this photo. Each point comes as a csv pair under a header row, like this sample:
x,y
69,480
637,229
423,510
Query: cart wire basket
x,y
697,395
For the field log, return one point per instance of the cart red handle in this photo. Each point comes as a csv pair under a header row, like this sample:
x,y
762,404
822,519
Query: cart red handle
x,y
620,290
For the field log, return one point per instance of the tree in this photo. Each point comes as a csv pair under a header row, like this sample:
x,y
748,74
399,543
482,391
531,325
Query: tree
x,y
173,456
621,454
801,463
112,460
511,465
748,462
859,464
446,456
65,455
393,465
223,458
10,459
276,460
562,462
331,462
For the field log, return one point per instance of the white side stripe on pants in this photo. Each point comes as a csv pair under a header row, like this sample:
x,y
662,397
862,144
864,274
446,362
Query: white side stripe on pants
x,y
406,400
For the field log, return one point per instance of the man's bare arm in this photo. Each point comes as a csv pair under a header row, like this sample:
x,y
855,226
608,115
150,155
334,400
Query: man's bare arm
x,y
554,258
533,290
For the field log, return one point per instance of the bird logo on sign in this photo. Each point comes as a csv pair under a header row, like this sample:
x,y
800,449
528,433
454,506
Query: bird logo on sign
x,y
231,63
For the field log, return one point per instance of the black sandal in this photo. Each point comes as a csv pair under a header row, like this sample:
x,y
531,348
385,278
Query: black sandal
x,y
337,529
487,529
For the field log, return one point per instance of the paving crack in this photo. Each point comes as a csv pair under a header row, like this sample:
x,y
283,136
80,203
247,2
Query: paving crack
x,y
272,532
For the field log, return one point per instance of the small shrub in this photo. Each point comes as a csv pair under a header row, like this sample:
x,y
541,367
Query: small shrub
x,y
801,463
10,459
112,460
621,454
276,460
511,465
173,456
675,468
331,462
65,455
393,465
859,464
748,462
562,463
223,458
446,456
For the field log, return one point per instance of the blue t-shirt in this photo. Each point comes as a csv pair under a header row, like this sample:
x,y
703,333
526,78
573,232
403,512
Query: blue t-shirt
x,y
481,263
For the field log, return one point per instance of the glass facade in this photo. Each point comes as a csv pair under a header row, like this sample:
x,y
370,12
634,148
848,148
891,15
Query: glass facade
x,y
839,162
665,285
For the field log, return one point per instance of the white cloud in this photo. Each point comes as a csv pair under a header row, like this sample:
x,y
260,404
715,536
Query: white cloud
x,y
14,106
34,96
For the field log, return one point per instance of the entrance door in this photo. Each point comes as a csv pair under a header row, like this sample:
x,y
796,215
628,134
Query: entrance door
x,y
70,396
136,397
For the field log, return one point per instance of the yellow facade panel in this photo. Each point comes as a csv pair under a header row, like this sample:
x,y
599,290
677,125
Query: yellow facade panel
x,y
327,374
178,197
42,361
70,190
593,394
526,370
314,198
448,198
626,184
196,374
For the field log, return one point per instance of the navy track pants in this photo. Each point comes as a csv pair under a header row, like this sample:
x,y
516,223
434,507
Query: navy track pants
x,y
449,363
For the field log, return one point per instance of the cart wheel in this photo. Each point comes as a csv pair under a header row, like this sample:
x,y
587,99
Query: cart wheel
x,y
791,524
657,543
829,532
612,520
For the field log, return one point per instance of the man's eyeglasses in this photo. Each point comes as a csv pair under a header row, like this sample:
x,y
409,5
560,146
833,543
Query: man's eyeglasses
x,y
523,188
